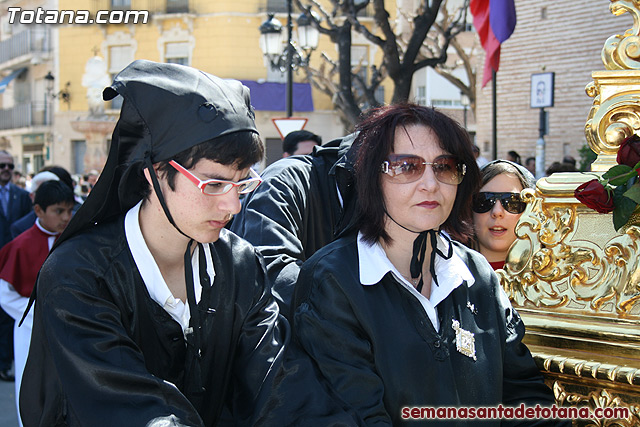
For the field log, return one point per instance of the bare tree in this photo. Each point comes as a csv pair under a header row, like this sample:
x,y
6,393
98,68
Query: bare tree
x,y
465,45
423,44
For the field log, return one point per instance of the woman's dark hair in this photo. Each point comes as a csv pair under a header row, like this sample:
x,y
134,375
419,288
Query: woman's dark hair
x,y
241,149
375,142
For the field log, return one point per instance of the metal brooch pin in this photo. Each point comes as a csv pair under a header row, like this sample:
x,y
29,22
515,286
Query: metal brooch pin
x,y
472,308
465,341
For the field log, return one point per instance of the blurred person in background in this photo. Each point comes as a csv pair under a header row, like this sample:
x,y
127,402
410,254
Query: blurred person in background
x,y
14,204
21,259
47,173
570,160
480,160
91,178
497,207
514,157
299,142
560,167
530,164
23,224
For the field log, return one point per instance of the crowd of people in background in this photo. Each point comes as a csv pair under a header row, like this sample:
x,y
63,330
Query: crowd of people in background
x,y
82,183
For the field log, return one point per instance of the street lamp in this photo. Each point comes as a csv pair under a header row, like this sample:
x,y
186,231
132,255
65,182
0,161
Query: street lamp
x,y
63,94
289,58
49,90
464,101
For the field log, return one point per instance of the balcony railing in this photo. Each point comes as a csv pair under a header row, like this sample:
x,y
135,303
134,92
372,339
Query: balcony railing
x,y
24,115
33,40
177,6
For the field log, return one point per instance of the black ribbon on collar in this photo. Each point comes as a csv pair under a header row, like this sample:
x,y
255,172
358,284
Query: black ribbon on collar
x,y
419,251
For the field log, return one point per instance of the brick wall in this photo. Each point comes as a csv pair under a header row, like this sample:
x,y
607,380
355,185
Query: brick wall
x,y
568,42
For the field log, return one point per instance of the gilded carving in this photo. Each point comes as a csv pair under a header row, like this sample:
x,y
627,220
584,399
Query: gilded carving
x,y
552,265
612,121
598,398
622,52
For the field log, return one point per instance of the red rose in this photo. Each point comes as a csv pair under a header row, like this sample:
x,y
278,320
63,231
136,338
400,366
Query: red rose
x,y
593,195
629,151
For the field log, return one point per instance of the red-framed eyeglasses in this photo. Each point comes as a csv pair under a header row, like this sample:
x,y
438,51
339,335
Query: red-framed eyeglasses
x,y
218,187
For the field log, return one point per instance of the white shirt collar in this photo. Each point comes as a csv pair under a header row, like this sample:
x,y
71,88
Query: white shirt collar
x,y
52,236
452,272
44,230
153,279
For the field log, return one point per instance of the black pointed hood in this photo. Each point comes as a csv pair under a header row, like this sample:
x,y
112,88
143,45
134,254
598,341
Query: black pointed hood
x,y
167,109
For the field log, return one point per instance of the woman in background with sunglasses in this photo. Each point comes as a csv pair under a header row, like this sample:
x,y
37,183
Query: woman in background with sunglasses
x,y
498,207
398,315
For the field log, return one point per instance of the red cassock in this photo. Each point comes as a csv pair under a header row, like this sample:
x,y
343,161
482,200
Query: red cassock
x,y
22,258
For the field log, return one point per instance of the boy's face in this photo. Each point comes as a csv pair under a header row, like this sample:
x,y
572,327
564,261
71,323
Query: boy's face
x,y
198,215
56,217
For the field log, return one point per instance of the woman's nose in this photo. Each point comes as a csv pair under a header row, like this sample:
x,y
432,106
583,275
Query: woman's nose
x,y
497,210
428,179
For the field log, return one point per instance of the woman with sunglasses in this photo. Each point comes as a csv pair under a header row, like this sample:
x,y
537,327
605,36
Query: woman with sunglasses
x,y
398,315
497,209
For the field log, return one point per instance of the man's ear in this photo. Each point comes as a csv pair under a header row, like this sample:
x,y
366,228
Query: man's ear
x,y
147,174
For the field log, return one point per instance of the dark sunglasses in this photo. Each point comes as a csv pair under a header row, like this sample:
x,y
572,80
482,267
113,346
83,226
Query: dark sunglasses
x,y
405,168
7,165
511,202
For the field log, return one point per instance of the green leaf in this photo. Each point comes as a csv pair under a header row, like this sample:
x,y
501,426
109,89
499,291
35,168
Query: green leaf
x,y
633,193
617,170
623,210
619,174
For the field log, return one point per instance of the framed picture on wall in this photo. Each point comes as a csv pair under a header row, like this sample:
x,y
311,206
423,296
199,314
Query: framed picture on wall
x,y
542,90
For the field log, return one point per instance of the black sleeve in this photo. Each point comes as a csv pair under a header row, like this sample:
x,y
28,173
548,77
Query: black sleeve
x,y
101,370
281,380
328,330
272,220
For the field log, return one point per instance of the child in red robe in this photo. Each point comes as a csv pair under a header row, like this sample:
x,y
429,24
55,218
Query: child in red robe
x,y
21,259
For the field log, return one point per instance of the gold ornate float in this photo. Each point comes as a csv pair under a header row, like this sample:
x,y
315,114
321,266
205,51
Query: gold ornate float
x,y
572,277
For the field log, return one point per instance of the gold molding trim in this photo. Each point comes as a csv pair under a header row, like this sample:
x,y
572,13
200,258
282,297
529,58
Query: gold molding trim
x,y
580,368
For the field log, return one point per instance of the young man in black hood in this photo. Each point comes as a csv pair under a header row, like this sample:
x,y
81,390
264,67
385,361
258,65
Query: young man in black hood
x,y
148,311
